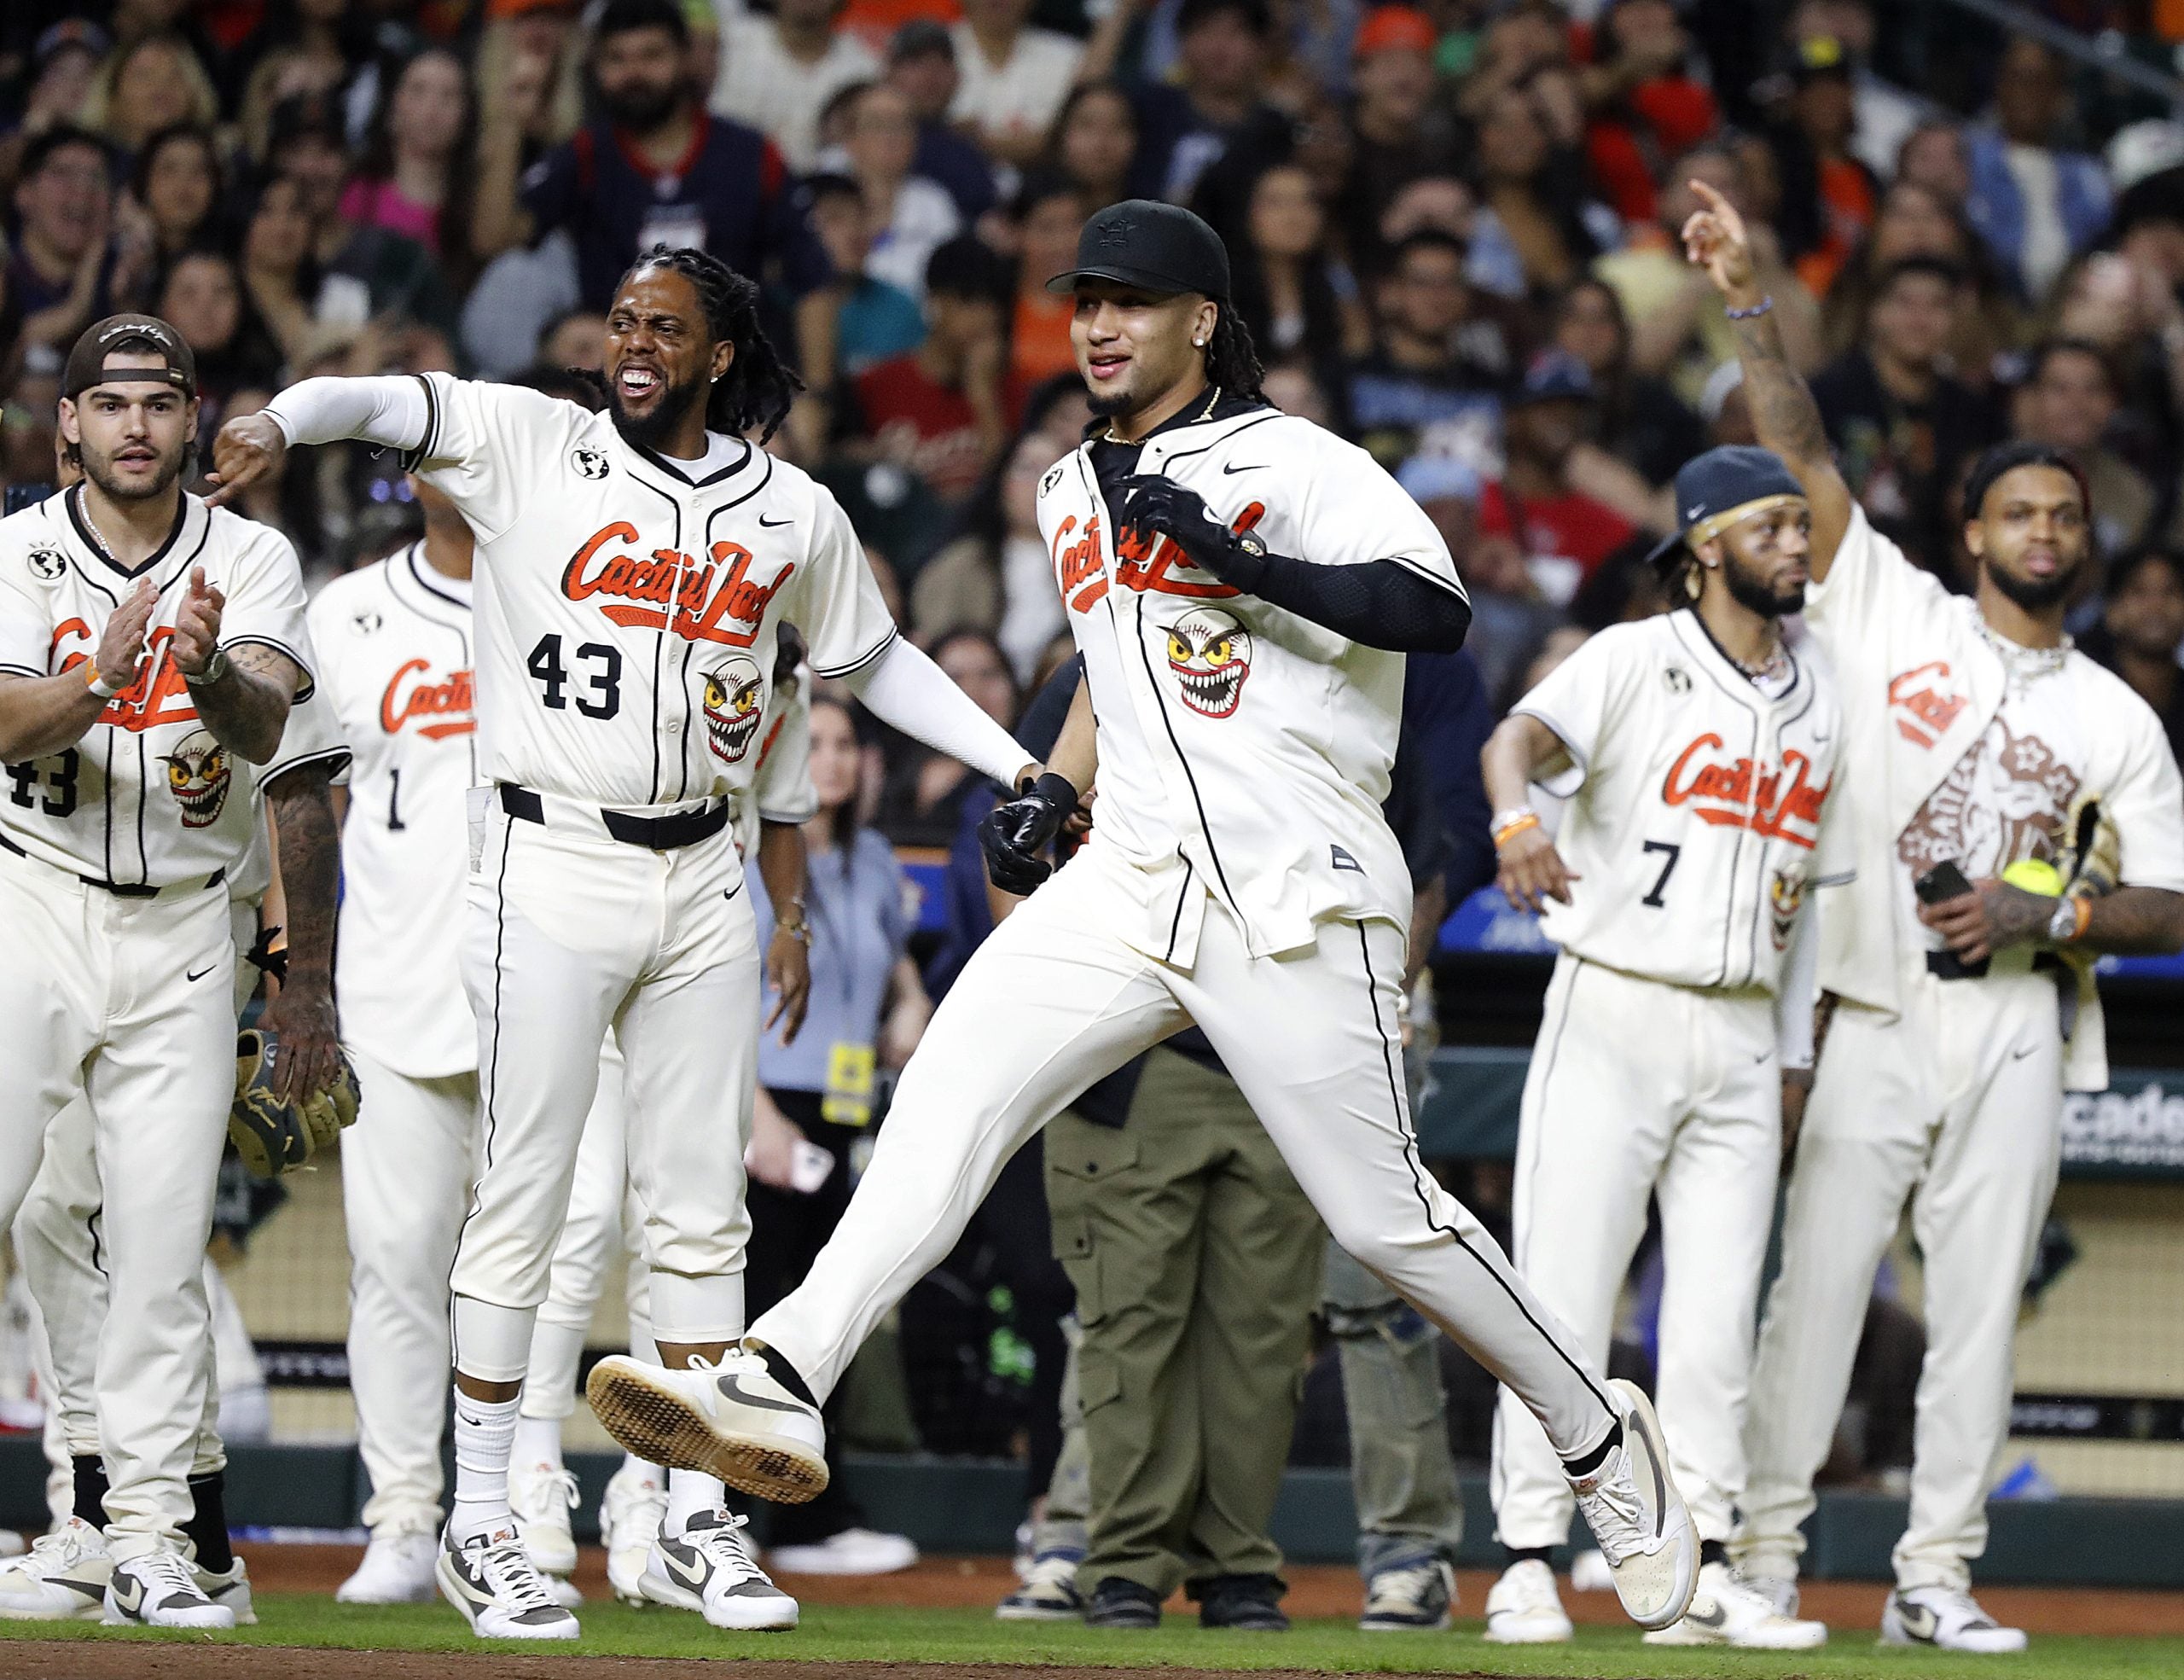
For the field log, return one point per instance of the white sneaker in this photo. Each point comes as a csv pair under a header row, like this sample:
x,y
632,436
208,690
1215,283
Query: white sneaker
x,y
1724,1611
230,1587
1414,1598
12,1544
732,1421
1049,1592
540,1499
1523,1607
492,1579
1948,1619
62,1579
397,1569
708,1567
1632,1506
854,1551
630,1517
160,1589
1780,1591
1588,1572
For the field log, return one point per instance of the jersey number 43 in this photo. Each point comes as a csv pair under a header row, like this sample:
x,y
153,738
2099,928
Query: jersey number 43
x,y
598,679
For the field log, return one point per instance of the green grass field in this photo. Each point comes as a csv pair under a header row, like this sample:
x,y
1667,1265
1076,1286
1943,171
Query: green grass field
x,y
897,1635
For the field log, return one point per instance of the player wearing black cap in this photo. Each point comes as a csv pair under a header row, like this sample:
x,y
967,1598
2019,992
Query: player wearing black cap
x,y
1241,877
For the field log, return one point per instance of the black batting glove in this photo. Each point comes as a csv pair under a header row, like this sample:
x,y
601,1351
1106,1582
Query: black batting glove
x,y
1152,504
1013,835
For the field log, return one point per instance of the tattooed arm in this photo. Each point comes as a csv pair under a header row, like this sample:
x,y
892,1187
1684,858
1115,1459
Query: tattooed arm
x,y
1783,412
2129,922
242,697
307,853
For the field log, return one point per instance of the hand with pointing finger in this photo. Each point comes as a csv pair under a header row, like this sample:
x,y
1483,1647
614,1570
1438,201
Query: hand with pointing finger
x,y
1714,239
248,448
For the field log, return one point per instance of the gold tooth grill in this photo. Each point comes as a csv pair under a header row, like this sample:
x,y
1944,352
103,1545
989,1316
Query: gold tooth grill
x,y
662,1429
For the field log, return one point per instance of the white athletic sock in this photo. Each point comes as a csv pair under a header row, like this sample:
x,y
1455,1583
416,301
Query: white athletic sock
x,y
690,1491
643,1466
485,1435
538,1441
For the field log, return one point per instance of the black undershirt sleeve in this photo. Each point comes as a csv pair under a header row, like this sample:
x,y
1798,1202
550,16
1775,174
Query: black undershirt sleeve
x,y
1380,604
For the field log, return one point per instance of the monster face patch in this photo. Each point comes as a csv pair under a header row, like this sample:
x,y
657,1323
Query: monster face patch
x,y
198,776
736,700
1211,654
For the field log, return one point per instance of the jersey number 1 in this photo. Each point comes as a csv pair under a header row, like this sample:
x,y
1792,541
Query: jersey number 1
x,y
605,681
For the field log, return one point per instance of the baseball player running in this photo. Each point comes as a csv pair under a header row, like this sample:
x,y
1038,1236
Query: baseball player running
x,y
2015,810
632,568
1696,751
57,1231
148,643
1241,877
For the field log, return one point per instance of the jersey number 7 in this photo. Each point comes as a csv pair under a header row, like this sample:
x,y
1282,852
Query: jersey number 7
x,y
1653,898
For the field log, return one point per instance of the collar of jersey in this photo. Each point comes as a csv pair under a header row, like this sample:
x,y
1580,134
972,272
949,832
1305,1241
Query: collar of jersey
x,y
1224,406
449,594
1746,685
73,499
665,465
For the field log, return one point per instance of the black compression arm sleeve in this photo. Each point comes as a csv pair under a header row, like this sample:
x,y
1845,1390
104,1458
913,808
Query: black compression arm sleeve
x,y
1381,604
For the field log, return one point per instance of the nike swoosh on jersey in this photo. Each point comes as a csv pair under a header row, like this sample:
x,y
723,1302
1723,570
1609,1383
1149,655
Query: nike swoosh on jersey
x,y
1256,467
735,1391
199,975
765,524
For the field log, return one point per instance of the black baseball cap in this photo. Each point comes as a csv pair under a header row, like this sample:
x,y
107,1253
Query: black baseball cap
x,y
134,334
1723,480
1142,241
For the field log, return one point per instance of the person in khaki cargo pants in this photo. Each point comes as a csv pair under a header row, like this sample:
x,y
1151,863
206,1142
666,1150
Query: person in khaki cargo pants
x,y
1196,1260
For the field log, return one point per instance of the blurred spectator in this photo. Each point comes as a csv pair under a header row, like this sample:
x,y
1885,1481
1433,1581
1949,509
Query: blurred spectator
x,y
1636,417
418,175
152,84
867,1008
2067,401
926,796
576,340
922,67
1646,105
175,191
777,72
1900,423
1916,221
996,576
1563,532
1829,196
202,296
1295,301
1094,144
393,274
2033,202
63,64
1044,219
1216,104
1509,615
2140,634
62,270
1885,115
1399,132
532,53
911,214
1532,189
657,168
307,45
282,275
1012,78
1432,384
875,321
1934,157
939,410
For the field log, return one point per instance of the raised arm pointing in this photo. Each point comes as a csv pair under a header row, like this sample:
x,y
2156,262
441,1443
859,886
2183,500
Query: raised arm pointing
x,y
1783,412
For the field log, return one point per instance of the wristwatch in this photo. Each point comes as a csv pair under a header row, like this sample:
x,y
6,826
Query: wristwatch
x,y
2063,923
215,669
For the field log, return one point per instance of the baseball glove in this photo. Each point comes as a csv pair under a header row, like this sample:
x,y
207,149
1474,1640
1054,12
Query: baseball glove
x,y
274,1137
2091,863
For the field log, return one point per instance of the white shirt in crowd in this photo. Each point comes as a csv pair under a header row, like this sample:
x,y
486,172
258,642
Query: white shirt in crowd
x,y
761,84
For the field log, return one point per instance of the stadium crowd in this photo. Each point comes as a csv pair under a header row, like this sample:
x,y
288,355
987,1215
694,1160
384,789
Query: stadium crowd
x,y
1453,228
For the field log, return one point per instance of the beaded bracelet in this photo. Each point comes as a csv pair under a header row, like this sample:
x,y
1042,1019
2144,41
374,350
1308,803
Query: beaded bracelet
x,y
1755,311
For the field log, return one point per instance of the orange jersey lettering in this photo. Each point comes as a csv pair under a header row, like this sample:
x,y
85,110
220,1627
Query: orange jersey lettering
x,y
674,591
1923,711
1741,793
438,709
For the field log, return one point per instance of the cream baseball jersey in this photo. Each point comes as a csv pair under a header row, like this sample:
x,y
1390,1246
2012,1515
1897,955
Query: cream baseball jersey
x,y
627,612
148,797
1244,751
1695,802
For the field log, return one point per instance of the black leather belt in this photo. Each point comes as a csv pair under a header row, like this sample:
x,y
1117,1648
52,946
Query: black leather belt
x,y
660,833
125,889
1944,965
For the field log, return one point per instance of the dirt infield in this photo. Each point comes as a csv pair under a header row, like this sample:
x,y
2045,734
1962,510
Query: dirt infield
x,y
1314,1591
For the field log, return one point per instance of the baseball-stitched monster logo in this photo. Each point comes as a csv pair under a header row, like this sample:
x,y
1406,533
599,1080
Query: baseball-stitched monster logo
x,y
736,700
1209,651
1785,893
198,776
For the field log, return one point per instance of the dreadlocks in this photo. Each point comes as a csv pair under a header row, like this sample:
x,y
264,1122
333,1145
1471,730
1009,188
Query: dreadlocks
x,y
759,386
1231,361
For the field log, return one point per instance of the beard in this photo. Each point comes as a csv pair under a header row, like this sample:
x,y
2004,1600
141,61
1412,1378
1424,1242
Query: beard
x,y
99,470
648,430
2035,595
1755,594
640,108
